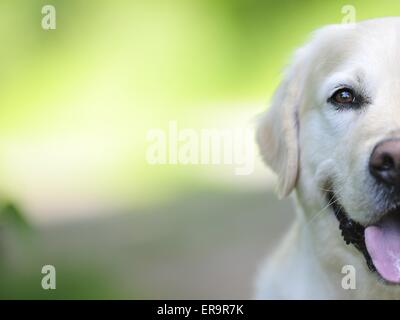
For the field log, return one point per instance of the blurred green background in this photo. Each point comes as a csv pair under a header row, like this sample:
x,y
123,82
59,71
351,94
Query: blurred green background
x,y
76,104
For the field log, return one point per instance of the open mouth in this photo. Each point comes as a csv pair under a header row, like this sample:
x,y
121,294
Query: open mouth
x,y
378,242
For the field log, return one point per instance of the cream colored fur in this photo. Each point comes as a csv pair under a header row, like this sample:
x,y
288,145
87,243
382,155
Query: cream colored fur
x,y
308,144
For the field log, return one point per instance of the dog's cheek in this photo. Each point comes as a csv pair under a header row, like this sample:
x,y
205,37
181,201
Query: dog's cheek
x,y
316,165
354,183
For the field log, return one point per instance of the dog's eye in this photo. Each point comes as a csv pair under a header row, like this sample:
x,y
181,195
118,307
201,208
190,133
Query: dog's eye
x,y
346,98
343,96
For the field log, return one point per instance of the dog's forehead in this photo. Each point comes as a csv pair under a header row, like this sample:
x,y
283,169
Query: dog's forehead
x,y
373,45
368,50
379,43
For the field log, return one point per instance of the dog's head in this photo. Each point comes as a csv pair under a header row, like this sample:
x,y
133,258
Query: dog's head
x,y
332,133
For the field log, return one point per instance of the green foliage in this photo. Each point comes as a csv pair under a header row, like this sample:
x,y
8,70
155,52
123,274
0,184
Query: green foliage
x,y
11,216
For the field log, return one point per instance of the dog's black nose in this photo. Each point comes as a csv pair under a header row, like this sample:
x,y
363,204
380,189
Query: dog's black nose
x,y
384,163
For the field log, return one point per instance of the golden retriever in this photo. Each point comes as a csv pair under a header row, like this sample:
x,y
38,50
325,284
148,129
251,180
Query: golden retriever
x,y
332,135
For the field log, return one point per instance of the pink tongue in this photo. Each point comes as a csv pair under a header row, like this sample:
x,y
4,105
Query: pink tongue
x,y
383,244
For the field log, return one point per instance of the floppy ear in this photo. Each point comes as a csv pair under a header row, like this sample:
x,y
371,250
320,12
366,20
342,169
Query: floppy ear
x,y
278,128
277,132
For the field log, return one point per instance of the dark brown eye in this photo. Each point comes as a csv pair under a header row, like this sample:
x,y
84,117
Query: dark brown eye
x,y
343,96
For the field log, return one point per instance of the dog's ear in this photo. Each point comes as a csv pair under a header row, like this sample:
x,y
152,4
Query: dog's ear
x,y
278,128
277,132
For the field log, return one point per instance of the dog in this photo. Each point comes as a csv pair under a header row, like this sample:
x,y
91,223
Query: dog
x,y
332,136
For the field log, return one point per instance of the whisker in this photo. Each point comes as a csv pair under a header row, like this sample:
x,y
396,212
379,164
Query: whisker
x,y
322,210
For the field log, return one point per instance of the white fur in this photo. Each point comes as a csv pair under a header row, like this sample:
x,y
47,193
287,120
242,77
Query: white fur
x,y
307,143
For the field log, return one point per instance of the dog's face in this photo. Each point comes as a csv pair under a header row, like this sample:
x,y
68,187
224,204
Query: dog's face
x,y
333,133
